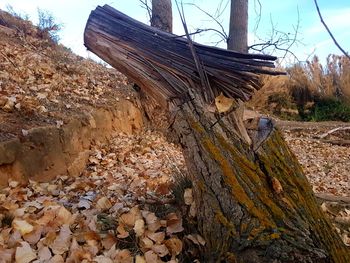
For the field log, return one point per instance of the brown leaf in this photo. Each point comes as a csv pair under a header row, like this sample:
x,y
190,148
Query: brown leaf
x,y
223,103
34,236
103,204
156,237
6,255
122,232
139,227
276,185
174,245
130,218
44,254
161,250
151,256
22,226
174,224
153,223
24,253
62,242
124,256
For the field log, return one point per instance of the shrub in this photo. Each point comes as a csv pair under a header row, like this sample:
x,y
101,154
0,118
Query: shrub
x,y
48,28
327,88
330,109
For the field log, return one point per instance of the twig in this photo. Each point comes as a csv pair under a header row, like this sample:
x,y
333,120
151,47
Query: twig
x,y
9,60
146,6
215,19
329,31
200,68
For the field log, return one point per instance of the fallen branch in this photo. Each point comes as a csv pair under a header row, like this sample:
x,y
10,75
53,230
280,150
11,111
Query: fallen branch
x,y
324,135
333,198
337,142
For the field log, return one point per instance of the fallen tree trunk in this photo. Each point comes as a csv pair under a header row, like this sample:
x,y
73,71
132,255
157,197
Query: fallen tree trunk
x,y
254,203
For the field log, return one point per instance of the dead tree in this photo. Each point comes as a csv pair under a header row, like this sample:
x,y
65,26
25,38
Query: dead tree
x,y
254,203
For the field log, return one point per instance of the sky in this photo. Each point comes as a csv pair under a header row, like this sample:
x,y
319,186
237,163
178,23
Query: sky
x,y
284,16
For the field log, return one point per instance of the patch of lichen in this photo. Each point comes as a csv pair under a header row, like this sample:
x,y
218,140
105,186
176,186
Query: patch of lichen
x,y
252,176
219,216
230,178
280,162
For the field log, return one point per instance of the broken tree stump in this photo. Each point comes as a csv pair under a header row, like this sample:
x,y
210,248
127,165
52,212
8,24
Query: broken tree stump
x,y
254,204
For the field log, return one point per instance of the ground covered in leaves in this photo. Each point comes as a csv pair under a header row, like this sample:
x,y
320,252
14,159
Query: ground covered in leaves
x,y
325,164
42,83
120,209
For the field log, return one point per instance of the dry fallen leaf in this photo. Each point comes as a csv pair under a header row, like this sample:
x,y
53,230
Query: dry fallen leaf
x,y
174,224
104,204
34,236
102,259
174,245
62,242
276,185
223,103
22,226
161,250
140,259
156,237
122,232
124,256
24,253
44,254
188,196
6,255
151,256
63,216
139,227
153,223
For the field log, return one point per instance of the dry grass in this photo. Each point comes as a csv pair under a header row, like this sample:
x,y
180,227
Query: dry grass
x,y
317,92
325,82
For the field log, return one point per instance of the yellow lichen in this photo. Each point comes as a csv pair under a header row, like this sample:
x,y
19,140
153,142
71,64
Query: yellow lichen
x,y
226,223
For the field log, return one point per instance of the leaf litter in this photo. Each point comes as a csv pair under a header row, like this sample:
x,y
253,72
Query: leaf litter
x,y
104,215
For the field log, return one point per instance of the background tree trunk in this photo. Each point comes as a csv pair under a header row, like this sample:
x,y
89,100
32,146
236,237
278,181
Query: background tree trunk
x,y
238,31
238,41
162,16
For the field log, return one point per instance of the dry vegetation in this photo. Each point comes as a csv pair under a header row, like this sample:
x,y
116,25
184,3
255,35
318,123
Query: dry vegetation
x,y
310,91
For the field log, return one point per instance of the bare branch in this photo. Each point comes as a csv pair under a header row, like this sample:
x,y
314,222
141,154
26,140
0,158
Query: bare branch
x,y
329,31
215,19
279,41
258,14
145,5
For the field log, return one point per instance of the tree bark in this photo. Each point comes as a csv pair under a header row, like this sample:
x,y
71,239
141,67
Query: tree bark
x,y
238,31
254,203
